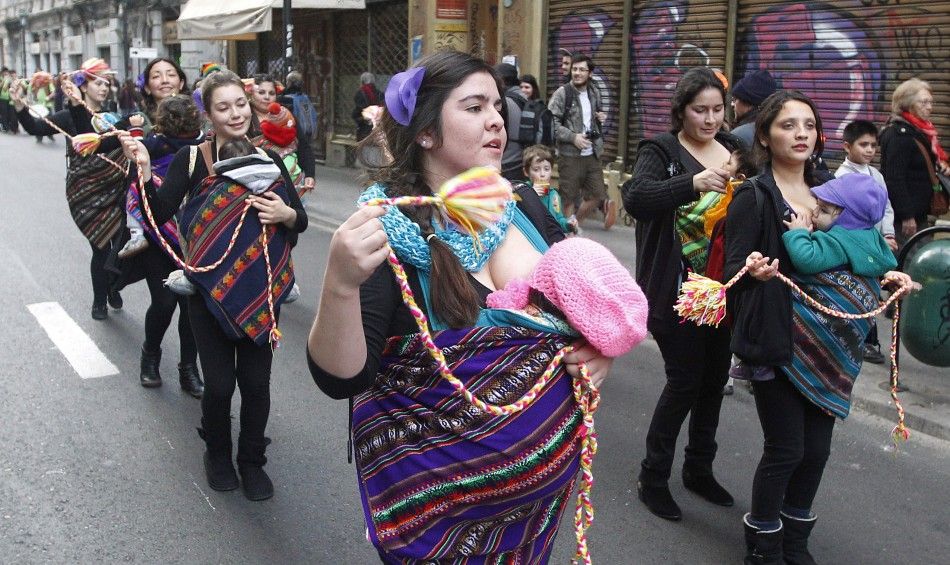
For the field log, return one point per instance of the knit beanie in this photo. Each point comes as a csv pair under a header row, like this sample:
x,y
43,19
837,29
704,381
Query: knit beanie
x,y
755,87
592,289
278,125
863,200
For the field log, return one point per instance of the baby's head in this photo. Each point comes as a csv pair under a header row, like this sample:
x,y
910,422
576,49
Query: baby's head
x,y
538,162
853,201
860,141
741,163
178,116
585,282
236,148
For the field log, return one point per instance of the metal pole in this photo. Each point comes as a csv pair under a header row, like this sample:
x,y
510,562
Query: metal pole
x,y
288,38
23,40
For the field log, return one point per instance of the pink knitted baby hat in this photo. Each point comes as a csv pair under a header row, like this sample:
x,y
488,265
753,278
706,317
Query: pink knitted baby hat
x,y
595,292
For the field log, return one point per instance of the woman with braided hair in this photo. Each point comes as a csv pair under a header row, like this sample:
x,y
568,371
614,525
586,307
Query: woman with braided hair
x,y
95,186
440,478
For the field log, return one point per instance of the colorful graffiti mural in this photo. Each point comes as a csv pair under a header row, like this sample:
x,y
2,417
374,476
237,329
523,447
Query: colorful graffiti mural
x,y
848,56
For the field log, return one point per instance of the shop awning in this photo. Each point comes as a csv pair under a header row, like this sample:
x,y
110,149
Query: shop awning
x,y
222,19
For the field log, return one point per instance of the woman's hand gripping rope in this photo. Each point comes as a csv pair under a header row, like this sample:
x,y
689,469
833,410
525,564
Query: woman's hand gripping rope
x,y
471,201
703,301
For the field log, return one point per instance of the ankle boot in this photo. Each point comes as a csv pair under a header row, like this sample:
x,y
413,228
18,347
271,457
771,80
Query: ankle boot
x,y
150,377
706,486
763,547
795,543
254,481
190,379
659,500
217,457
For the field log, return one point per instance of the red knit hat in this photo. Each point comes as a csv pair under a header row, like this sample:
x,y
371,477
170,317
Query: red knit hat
x,y
278,126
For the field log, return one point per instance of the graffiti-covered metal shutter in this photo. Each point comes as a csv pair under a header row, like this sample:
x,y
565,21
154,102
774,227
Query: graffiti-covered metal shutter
x,y
667,39
376,40
596,29
312,32
849,56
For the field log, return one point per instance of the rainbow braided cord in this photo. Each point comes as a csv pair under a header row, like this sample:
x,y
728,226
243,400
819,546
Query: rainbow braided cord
x,y
703,301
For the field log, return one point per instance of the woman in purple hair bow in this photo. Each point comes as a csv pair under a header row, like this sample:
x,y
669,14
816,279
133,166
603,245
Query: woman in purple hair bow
x,y
441,480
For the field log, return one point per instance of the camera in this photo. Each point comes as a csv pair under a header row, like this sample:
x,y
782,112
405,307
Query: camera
x,y
592,134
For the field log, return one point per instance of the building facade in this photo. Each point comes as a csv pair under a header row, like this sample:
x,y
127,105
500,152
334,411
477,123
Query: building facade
x,y
58,35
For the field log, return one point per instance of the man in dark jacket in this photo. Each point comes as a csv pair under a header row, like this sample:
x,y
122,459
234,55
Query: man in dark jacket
x,y
367,95
511,166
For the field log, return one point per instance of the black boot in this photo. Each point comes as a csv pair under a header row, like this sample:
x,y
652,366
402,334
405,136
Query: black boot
x,y
659,500
217,457
190,379
255,482
795,543
707,487
150,377
763,547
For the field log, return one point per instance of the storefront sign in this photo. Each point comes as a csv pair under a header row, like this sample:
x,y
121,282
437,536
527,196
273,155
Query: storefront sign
x,y
170,33
451,9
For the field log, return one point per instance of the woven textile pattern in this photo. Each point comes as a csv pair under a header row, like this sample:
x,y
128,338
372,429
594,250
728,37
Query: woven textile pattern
x,y
827,351
236,291
95,193
441,480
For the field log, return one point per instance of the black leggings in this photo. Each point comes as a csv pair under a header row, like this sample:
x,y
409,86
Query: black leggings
x,y
158,317
696,360
797,445
224,363
101,278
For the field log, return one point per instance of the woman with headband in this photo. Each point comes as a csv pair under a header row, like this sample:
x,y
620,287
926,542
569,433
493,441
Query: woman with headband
x,y
96,183
440,479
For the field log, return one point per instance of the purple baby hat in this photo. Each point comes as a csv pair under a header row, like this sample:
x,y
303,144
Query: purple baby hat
x,y
863,200
595,292
401,94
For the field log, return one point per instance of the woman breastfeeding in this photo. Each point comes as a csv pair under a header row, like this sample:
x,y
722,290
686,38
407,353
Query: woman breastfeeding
x,y
233,313
143,256
801,364
95,186
285,137
440,479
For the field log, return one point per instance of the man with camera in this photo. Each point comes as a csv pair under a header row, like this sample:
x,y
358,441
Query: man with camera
x,y
578,119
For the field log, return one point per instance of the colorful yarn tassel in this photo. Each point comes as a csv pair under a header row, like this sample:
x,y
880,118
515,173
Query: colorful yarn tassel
x,y
471,201
86,143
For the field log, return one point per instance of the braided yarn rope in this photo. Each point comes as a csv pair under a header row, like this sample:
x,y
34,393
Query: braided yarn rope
x,y
703,301
585,393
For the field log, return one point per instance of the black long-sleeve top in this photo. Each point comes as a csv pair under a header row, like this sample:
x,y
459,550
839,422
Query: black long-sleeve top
x,y
909,184
73,120
166,201
652,196
385,315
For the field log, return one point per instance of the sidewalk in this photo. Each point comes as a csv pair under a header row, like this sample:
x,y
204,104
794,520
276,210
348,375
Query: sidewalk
x,y
926,404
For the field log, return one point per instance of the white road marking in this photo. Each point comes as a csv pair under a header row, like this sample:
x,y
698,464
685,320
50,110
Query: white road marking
x,y
77,347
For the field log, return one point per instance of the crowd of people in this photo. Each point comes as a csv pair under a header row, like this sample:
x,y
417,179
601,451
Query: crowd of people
x,y
197,190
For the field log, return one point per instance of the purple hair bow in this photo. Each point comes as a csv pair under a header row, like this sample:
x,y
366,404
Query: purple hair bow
x,y
140,81
401,94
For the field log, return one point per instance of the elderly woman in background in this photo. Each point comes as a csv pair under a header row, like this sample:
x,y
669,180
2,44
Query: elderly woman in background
x,y
910,151
367,95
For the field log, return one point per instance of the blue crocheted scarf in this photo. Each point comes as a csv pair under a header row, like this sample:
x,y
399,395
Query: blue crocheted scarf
x,y
405,236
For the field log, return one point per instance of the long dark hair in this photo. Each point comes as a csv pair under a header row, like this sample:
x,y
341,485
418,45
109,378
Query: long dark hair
x,y
688,87
454,300
148,100
768,111
535,91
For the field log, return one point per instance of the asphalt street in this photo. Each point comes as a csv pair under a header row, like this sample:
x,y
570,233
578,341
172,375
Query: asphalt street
x,y
103,470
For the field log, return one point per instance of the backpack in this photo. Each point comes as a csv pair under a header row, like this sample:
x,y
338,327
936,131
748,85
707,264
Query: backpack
x,y
537,122
305,113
